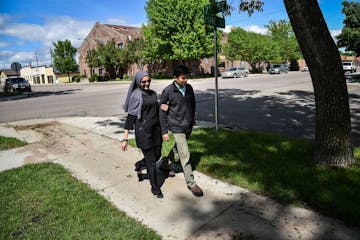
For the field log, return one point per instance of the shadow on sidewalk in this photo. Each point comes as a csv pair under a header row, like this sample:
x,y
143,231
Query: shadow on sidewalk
x,y
289,113
36,94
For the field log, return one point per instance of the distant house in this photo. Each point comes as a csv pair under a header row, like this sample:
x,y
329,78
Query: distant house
x,y
44,75
101,34
5,73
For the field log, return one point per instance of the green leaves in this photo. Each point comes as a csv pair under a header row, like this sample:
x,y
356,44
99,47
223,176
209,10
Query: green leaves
x,y
350,34
251,47
64,56
176,30
281,32
278,45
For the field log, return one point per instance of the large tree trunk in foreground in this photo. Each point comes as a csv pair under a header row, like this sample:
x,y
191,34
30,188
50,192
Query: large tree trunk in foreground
x,y
333,125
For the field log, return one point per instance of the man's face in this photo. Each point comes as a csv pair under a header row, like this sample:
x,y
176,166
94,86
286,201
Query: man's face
x,y
145,83
181,80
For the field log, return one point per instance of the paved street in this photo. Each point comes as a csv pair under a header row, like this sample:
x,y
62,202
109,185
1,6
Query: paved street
x,y
279,103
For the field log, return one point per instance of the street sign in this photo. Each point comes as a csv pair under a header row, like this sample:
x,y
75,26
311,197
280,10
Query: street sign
x,y
210,14
215,21
15,66
216,7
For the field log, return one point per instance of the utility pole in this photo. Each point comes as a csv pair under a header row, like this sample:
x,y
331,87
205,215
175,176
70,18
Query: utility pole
x,y
36,57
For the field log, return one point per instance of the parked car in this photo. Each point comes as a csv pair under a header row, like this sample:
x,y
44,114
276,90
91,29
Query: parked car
x,y
278,68
17,84
234,72
305,69
349,66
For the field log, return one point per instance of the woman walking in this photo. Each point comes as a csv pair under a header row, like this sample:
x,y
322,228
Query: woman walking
x,y
143,113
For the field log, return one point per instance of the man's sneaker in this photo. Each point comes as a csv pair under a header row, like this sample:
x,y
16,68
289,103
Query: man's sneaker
x,y
196,190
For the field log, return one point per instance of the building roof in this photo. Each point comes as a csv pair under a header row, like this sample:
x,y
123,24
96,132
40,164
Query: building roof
x,y
125,30
9,72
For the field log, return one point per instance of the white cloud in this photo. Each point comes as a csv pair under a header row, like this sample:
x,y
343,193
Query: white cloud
x,y
7,57
251,28
5,54
54,29
116,21
334,33
255,28
228,28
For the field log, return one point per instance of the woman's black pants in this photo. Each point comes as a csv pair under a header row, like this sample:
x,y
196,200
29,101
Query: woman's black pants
x,y
151,156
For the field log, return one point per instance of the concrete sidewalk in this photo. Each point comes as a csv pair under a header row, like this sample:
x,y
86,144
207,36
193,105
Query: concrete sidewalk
x,y
89,148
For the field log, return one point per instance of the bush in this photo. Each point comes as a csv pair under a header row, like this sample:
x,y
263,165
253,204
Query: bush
x,y
75,78
94,78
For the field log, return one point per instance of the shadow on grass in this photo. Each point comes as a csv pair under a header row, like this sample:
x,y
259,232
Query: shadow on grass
x,y
279,167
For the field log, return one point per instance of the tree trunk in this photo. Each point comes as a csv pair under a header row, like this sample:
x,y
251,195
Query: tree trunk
x,y
333,126
68,73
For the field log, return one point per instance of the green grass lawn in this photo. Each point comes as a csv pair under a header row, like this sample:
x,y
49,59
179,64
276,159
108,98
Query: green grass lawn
x,y
43,201
279,167
8,143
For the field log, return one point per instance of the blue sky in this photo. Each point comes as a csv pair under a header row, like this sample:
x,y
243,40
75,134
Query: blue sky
x,y
28,27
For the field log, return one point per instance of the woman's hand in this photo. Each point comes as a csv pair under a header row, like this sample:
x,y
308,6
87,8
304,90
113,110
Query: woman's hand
x,y
166,137
164,107
124,145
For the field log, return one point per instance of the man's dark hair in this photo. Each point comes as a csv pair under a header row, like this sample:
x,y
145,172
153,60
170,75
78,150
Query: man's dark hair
x,y
181,69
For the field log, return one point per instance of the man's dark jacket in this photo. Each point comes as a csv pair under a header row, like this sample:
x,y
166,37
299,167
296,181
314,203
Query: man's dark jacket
x,y
180,116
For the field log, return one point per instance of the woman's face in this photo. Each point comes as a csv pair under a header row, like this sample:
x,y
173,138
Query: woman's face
x,y
145,83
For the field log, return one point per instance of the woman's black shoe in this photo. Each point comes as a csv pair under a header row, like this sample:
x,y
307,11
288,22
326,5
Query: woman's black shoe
x,y
159,195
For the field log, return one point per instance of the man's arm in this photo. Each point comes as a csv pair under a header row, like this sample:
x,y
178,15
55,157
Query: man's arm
x,y
193,105
163,114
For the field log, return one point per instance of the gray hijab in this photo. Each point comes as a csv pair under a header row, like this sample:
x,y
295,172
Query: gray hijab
x,y
134,99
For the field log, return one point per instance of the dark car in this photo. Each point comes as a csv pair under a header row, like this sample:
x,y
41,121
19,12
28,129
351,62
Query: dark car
x,y
278,68
17,84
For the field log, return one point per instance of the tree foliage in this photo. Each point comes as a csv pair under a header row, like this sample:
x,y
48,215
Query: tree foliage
x,y
64,57
176,30
350,34
281,32
134,53
251,47
108,57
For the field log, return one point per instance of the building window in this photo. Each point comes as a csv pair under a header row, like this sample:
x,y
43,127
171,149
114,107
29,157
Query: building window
x,y
50,79
121,45
43,78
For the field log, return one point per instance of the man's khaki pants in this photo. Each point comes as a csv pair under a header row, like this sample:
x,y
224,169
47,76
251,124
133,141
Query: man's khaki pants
x,y
181,152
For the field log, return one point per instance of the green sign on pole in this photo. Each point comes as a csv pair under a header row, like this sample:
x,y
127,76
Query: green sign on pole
x,y
215,21
210,14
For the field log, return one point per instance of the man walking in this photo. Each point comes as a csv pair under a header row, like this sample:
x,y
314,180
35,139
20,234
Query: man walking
x,y
179,119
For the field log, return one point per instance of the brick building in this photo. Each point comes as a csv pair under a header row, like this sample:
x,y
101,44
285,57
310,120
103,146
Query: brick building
x,y
101,34
121,35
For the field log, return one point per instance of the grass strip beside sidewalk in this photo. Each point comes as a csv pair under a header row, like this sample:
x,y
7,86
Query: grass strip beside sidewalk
x,y
9,142
43,201
279,167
